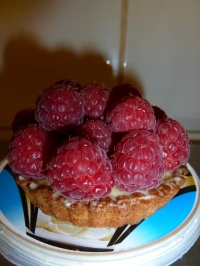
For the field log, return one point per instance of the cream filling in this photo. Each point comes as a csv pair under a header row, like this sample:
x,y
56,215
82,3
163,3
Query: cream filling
x,y
117,193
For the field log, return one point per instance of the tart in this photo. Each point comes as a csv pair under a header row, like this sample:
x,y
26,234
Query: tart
x,y
96,159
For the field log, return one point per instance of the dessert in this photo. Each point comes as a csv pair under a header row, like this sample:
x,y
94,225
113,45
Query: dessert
x,y
68,172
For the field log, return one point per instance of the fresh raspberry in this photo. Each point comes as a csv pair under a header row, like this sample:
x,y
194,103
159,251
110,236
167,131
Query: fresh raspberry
x,y
159,113
138,162
97,131
59,108
81,170
125,89
97,99
131,113
23,117
29,151
174,142
72,83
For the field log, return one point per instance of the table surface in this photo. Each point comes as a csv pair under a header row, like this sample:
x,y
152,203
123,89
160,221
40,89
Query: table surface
x,y
192,257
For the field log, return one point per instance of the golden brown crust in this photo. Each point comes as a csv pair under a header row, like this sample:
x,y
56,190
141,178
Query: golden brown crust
x,y
106,212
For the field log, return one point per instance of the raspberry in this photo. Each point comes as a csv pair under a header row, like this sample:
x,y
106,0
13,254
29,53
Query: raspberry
x,y
59,108
97,131
138,162
70,82
81,170
131,113
126,89
174,142
23,117
97,98
158,112
29,151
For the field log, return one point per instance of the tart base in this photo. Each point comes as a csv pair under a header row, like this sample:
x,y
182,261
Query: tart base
x,y
110,212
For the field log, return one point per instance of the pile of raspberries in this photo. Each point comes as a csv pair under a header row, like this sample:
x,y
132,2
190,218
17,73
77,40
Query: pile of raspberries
x,y
88,139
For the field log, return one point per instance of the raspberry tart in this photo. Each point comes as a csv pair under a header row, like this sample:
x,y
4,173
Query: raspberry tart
x,y
98,158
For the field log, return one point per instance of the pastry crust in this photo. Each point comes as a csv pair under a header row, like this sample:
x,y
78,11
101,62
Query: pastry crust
x,y
106,212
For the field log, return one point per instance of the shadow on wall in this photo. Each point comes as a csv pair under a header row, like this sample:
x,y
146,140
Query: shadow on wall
x,y
29,68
